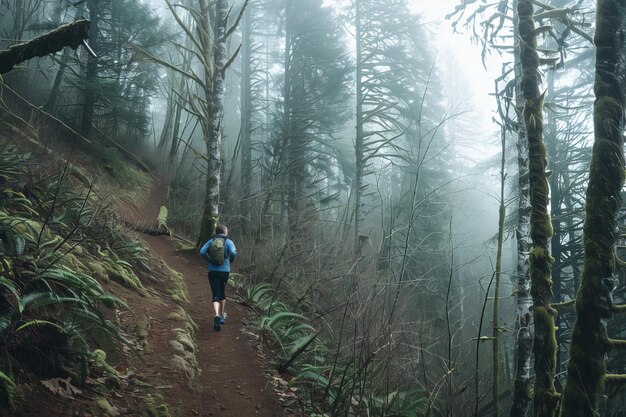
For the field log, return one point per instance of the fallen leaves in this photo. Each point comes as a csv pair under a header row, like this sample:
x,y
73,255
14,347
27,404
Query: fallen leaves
x,y
62,387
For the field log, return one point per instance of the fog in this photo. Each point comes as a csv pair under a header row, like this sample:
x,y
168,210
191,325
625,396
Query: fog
x,y
366,156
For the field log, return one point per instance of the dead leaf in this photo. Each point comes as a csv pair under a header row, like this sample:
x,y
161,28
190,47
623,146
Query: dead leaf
x,y
129,373
61,387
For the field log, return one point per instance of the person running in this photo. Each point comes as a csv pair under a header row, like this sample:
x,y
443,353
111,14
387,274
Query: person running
x,y
220,252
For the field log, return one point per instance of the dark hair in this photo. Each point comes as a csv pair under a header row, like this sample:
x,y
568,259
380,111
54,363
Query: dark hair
x,y
220,230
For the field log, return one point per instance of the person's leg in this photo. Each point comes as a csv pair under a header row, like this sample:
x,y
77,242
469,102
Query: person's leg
x,y
223,282
215,282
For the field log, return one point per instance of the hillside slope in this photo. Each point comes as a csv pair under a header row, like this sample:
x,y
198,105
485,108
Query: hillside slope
x,y
162,357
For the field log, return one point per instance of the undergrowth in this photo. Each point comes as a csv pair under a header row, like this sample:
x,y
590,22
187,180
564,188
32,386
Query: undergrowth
x,y
330,382
57,246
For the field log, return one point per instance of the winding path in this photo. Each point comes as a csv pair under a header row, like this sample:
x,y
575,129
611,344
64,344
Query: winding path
x,y
232,383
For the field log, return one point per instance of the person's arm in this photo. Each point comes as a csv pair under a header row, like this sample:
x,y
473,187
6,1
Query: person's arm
x,y
205,248
233,251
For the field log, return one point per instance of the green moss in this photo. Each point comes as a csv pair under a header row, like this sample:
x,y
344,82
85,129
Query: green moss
x,y
175,315
106,407
545,397
179,291
187,342
97,270
72,260
189,369
78,250
586,372
155,406
100,361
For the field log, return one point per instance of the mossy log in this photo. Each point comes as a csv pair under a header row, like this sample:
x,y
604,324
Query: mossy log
x,y
71,34
152,232
162,220
161,228
586,371
545,397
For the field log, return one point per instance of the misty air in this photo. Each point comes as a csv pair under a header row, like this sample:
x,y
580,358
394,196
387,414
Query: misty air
x,y
312,208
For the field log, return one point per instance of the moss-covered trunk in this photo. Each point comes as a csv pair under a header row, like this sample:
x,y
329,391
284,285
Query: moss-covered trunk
x,y
545,397
71,34
522,400
586,370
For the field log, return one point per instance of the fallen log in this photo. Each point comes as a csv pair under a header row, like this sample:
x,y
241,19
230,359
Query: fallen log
x,y
162,220
72,35
151,231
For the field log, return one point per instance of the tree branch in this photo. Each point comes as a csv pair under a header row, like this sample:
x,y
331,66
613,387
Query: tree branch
x,y
617,344
71,35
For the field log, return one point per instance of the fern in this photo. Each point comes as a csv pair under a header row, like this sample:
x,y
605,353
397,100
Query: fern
x,y
270,322
5,378
54,299
33,301
256,293
38,323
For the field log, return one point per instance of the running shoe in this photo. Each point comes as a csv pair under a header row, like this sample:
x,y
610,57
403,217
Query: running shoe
x,y
223,318
216,323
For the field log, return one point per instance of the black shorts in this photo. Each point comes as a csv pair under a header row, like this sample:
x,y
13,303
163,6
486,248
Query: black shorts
x,y
218,280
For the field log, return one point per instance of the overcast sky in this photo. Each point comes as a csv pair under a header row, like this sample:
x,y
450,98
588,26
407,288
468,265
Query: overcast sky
x,y
457,54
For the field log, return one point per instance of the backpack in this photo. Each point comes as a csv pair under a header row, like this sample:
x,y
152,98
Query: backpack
x,y
216,252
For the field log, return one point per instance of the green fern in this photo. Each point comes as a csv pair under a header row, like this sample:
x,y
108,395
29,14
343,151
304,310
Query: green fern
x,y
282,316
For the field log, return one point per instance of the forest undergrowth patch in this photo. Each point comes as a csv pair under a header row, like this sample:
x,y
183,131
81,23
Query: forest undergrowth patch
x,y
77,297
310,373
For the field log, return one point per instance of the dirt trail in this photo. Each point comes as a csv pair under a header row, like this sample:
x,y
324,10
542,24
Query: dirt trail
x,y
232,383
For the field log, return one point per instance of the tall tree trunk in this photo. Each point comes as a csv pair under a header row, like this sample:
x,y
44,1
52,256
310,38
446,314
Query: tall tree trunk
x,y
167,124
522,400
586,371
495,326
213,131
358,143
175,139
291,134
54,92
19,22
246,117
91,75
555,210
182,86
545,397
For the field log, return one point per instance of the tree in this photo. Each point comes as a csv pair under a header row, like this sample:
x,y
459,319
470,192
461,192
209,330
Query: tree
x,y
247,64
545,398
208,34
389,68
96,9
213,131
586,371
522,399
314,103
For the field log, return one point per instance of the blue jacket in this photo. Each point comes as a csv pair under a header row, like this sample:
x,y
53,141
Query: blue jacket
x,y
230,253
